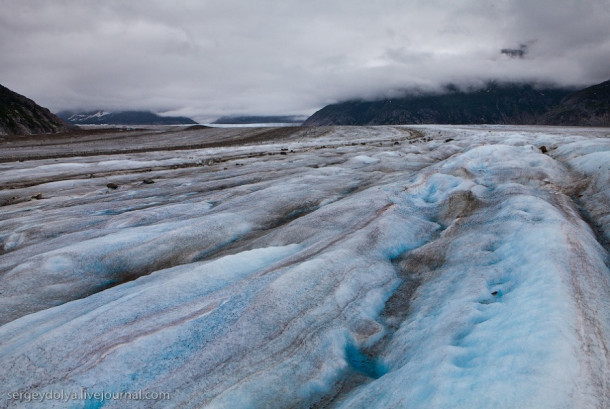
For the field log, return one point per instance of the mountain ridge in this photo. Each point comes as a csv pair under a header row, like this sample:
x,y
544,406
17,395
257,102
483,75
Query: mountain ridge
x,y
587,107
132,117
495,103
20,115
258,119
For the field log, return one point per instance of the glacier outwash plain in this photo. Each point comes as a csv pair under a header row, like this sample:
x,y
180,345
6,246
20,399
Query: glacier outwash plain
x,y
333,267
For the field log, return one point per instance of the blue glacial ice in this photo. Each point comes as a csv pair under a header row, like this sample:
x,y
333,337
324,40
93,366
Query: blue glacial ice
x,y
424,274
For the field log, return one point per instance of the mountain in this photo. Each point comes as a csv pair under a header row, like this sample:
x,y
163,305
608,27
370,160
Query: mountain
x,y
243,120
22,116
496,103
123,118
588,107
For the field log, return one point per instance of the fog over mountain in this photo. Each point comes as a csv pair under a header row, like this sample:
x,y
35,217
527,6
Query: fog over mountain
x,y
208,59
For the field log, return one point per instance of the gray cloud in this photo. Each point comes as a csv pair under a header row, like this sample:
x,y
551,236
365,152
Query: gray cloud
x,y
209,58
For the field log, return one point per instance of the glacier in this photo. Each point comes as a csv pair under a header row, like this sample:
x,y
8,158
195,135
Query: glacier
x,y
333,267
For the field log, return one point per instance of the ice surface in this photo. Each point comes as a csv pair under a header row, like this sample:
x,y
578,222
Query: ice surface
x,y
452,267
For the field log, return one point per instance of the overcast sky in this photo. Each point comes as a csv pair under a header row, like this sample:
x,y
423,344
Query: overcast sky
x,y
206,58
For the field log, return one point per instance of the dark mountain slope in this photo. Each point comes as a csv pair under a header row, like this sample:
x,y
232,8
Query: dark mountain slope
x,y
22,116
588,107
494,104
